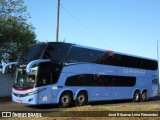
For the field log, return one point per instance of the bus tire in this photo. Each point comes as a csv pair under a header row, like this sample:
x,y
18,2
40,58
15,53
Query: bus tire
x,y
66,100
82,99
136,96
144,96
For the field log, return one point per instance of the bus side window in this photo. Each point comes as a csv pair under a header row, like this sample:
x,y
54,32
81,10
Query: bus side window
x,y
83,55
108,80
113,59
45,78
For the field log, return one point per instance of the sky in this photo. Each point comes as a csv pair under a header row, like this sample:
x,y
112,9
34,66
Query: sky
x,y
127,26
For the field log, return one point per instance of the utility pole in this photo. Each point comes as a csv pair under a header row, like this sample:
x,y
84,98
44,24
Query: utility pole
x,y
158,61
158,50
58,11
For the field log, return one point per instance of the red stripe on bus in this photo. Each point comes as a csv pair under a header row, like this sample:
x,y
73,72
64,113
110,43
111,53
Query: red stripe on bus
x,y
22,90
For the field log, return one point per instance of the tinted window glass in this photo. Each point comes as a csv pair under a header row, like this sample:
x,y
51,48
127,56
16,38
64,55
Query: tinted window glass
x,y
57,51
77,55
45,78
110,59
100,80
128,61
48,73
33,52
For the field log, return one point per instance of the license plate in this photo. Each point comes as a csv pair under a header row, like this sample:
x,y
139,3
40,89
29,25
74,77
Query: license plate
x,y
19,101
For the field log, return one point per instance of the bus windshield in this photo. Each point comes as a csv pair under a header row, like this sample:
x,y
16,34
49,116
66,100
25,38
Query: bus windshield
x,y
57,52
32,52
24,80
54,51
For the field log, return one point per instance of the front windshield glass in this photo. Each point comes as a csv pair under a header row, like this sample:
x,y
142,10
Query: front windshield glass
x,y
24,80
57,52
32,52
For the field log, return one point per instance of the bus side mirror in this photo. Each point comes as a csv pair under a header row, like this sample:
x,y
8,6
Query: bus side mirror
x,y
8,64
29,65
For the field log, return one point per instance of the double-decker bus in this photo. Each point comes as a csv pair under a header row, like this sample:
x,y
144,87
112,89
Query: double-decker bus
x,y
67,74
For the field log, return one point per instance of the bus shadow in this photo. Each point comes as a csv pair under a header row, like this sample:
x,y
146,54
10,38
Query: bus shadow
x,y
43,107
110,102
128,101
155,98
56,107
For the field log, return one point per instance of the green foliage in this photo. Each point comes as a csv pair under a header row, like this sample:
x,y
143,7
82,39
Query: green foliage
x,y
13,8
15,33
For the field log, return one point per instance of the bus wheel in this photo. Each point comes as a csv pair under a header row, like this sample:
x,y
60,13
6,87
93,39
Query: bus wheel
x,y
136,96
65,100
81,99
144,96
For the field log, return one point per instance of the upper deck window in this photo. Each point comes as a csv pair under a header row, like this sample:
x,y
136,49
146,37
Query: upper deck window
x,y
80,55
128,61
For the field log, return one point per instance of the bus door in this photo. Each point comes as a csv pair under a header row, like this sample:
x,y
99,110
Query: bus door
x,y
44,86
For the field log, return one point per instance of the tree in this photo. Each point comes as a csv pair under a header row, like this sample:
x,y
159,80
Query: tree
x,y
15,33
14,8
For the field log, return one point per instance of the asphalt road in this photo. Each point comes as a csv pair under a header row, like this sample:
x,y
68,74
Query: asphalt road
x,y
8,105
